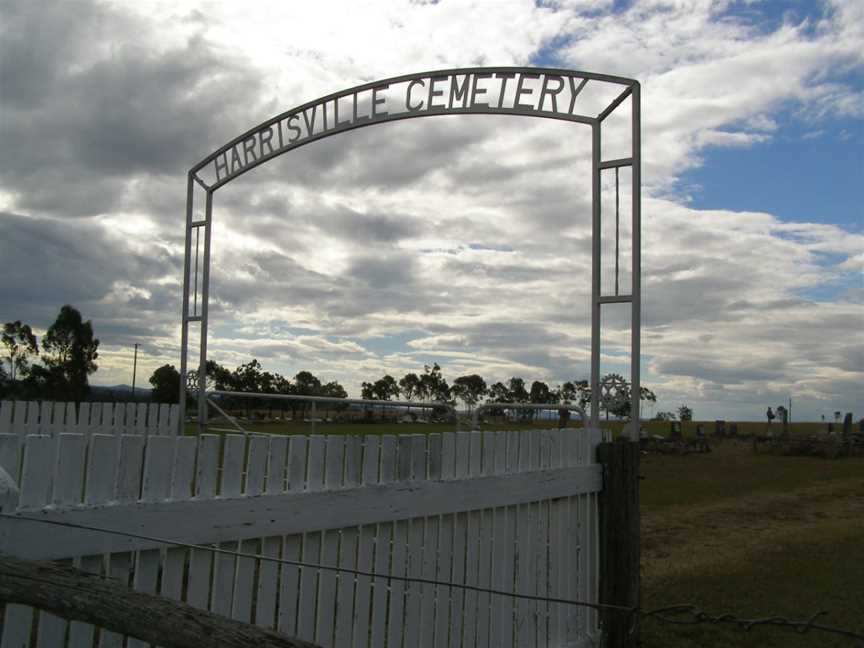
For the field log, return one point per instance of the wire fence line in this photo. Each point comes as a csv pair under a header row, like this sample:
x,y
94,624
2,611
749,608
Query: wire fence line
x,y
684,614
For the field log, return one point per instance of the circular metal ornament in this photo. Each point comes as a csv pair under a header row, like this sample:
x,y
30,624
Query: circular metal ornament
x,y
613,392
192,382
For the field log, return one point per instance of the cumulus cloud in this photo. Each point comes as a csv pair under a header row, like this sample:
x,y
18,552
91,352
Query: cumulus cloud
x,y
461,240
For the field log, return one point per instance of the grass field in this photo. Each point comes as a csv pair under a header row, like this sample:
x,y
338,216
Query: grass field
x,y
754,535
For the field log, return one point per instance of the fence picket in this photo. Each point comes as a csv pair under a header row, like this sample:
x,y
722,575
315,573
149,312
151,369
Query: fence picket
x,y
430,550
383,548
244,582
132,426
525,619
397,588
327,579
174,421
152,415
99,488
348,545
163,421
182,478
35,492
155,487
306,616
277,465
289,587
10,455
256,465
415,550
18,418
206,482
128,489
231,481
365,549
498,522
104,418
46,424
273,463
113,417
460,540
131,465
556,548
6,417
246,567
444,566
141,425
68,482
344,612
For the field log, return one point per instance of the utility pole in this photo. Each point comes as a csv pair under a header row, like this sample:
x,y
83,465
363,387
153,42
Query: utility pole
x,y
134,370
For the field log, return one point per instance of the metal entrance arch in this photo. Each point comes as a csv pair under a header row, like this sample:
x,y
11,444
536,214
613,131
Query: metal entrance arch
x,y
533,92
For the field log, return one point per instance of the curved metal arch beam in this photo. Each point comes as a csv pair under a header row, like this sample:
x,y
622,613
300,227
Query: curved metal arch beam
x,y
262,143
412,107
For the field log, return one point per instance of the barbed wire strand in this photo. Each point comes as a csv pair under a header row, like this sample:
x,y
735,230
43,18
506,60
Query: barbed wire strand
x,y
694,614
310,565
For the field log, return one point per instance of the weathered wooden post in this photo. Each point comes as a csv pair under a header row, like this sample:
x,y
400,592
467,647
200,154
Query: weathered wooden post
x,y
79,596
619,541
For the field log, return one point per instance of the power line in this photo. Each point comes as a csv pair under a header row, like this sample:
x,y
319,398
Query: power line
x,y
679,614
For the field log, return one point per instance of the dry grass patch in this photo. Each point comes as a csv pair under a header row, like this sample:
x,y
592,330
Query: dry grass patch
x,y
755,536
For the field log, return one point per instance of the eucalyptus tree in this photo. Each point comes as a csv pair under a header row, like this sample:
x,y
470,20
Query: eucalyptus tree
x,y
69,352
166,384
433,386
469,389
409,385
20,345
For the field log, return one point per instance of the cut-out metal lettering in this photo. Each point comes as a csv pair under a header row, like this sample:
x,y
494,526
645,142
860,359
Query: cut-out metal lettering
x,y
552,94
560,94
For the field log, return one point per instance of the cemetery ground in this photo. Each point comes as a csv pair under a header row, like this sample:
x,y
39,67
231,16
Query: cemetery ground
x,y
735,532
753,535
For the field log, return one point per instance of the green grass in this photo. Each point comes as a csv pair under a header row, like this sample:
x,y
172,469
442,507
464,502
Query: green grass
x,y
754,535
731,471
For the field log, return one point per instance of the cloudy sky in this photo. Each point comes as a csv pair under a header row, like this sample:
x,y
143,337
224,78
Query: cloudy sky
x,y
463,240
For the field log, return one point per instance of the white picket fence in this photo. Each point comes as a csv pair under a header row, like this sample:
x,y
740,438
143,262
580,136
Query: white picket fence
x,y
511,511
46,417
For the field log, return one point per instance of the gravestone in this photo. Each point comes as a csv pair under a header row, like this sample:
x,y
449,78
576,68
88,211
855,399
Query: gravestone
x,y
733,429
847,424
674,429
700,430
785,415
830,427
719,428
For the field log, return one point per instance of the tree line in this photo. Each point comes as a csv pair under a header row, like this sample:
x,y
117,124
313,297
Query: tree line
x,y
68,354
430,386
69,350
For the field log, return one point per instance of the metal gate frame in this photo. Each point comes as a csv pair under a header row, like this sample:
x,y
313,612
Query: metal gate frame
x,y
270,139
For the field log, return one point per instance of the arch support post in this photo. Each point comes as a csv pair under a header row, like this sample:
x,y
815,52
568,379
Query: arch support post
x,y
636,273
634,298
196,299
596,244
